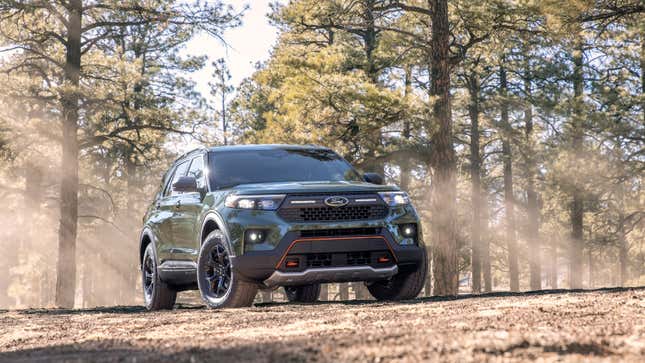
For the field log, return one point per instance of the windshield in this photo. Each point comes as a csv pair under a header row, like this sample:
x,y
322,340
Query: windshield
x,y
230,168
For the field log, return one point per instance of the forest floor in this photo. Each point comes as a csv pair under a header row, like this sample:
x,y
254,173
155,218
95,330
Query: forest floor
x,y
600,325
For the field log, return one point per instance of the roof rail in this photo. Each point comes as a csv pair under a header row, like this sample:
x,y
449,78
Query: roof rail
x,y
191,151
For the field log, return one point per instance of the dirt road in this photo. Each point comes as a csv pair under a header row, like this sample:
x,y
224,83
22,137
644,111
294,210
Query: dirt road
x,y
606,325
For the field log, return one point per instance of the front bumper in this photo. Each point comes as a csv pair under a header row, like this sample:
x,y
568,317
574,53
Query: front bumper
x,y
268,267
330,274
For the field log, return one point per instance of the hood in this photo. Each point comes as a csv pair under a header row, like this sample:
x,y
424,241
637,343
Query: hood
x,y
311,187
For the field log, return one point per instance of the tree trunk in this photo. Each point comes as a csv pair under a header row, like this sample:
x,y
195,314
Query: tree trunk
x,y
33,198
343,291
360,291
485,241
428,283
267,296
475,177
23,239
131,187
622,253
622,241
133,224
444,191
486,268
554,265
428,200
509,199
405,164
590,268
577,208
66,267
5,267
86,283
224,122
370,41
642,61
533,213
324,292
370,44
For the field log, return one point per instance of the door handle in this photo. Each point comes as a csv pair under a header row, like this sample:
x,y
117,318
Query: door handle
x,y
178,204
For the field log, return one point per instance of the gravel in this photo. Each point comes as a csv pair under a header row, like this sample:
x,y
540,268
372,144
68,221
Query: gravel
x,y
600,325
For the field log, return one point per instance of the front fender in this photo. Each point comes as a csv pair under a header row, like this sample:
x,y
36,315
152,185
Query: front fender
x,y
147,232
222,226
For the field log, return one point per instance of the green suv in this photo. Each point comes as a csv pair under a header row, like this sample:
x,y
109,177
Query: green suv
x,y
234,219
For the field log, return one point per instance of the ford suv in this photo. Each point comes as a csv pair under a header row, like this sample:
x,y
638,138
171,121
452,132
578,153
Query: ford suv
x,y
234,219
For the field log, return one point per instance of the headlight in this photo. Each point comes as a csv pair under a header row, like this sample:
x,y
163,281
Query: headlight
x,y
394,199
262,202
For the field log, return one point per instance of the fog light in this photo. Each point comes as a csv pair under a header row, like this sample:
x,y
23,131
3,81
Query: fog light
x,y
255,236
254,239
408,230
409,234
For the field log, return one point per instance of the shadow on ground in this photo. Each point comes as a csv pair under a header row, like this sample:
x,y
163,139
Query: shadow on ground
x,y
473,296
120,351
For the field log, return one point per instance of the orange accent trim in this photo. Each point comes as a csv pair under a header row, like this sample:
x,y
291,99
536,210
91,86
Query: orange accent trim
x,y
332,239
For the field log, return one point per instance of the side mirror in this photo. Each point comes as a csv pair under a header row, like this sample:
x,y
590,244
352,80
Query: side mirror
x,y
373,178
185,184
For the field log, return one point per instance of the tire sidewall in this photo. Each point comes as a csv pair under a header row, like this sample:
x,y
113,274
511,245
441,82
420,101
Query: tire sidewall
x,y
402,286
150,253
213,239
304,293
291,292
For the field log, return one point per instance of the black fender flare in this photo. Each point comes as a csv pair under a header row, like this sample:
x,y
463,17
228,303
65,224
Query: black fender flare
x,y
219,221
147,232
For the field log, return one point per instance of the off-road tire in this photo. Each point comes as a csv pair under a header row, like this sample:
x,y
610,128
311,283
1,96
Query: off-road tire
x,y
303,294
239,293
158,296
402,286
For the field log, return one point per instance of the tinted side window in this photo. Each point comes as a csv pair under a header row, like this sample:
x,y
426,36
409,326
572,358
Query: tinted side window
x,y
197,170
162,184
180,171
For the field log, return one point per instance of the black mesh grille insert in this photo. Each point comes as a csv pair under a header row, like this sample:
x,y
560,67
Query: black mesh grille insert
x,y
347,213
318,259
359,258
375,259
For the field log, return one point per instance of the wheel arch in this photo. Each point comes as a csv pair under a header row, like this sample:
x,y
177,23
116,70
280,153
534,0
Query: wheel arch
x,y
146,238
212,222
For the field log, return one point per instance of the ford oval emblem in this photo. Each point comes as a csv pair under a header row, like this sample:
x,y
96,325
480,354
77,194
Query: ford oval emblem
x,y
336,201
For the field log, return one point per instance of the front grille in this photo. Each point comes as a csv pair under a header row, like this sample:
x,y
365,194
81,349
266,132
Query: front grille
x,y
314,208
326,214
368,231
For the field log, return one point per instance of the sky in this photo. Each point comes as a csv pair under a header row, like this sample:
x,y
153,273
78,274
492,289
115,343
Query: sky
x,y
246,45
